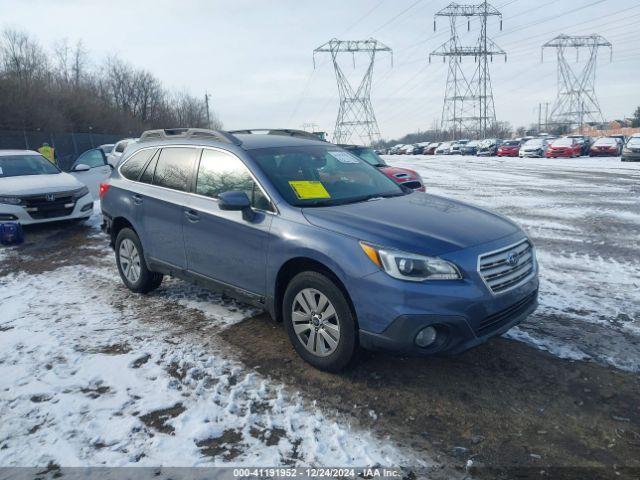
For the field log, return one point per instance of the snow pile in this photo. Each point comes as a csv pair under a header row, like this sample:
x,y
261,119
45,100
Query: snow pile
x,y
88,376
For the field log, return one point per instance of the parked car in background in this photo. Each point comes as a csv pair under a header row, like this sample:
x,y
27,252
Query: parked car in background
x,y
302,230
114,156
456,146
534,148
107,148
584,141
565,147
431,148
509,148
91,168
443,149
470,148
631,151
395,150
33,190
623,139
606,147
404,176
488,147
411,150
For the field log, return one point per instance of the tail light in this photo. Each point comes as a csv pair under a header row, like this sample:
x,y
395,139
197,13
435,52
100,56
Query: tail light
x,y
104,188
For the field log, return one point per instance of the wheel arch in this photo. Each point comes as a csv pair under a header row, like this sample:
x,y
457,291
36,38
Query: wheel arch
x,y
117,224
300,264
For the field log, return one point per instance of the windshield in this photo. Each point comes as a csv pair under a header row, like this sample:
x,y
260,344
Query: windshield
x,y
369,156
18,165
562,142
319,175
535,142
606,141
634,142
511,143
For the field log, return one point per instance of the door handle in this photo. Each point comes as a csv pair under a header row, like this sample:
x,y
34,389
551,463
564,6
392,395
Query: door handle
x,y
137,199
192,216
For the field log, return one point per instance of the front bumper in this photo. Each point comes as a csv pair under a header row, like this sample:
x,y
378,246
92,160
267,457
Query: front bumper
x,y
83,208
631,157
464,312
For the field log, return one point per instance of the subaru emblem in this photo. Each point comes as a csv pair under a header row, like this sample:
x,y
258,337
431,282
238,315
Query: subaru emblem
x,y
50,197
513,258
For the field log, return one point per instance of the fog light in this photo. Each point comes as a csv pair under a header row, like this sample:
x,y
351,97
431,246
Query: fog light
x,y
88,206
426,337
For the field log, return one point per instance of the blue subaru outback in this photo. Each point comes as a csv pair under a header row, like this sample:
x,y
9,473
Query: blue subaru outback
x,y
322,240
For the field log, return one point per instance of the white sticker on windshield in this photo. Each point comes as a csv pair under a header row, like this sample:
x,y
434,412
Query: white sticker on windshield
x,y
1,171
344,157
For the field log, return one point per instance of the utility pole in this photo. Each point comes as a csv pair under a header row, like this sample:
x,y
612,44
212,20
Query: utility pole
x,y
206,102
468,104
355,115
576,98
539,117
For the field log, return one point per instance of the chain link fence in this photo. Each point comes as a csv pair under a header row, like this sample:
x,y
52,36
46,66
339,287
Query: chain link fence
x,y
68,146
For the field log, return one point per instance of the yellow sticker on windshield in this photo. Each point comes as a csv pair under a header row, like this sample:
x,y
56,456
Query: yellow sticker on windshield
x,y
306,190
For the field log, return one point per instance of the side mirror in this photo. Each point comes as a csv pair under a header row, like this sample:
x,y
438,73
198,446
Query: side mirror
x,y
81,167
238,201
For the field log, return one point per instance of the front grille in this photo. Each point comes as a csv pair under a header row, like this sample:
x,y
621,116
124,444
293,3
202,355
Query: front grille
x,y
497,320
412,185
59,204
504,269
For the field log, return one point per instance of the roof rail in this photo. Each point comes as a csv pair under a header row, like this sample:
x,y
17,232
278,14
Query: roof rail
x,y
289,132
171,133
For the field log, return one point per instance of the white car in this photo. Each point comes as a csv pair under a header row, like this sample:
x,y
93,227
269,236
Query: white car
x,y
33,190
534,148
444,149
117,151
91,168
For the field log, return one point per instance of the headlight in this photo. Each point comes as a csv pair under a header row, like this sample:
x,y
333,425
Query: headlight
x,y
626,151
410,266
10,200
81,192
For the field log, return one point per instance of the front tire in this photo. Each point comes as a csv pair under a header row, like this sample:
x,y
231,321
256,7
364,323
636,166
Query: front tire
x,y
319,322
131,264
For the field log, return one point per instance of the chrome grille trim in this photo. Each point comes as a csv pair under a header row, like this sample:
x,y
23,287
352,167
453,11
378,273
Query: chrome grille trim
x,y
496,272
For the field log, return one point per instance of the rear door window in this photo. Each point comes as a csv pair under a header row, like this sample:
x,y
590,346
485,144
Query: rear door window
x,y
132,167
174,168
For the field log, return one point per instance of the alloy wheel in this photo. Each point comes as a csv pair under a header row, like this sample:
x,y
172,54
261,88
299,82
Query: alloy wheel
x,y
129,260
315,322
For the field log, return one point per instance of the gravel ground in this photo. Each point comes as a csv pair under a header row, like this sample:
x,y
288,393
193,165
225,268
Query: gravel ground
x,y
91,374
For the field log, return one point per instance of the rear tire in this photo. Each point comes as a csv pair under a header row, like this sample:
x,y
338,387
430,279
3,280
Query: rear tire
x,y
319,321
131,264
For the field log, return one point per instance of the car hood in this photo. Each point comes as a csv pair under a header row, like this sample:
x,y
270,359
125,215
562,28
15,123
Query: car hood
x,y
394,171
417,223
37,184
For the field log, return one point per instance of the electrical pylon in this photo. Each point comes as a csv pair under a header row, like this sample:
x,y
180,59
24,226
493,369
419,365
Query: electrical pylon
x,y
576,101
468,108
355,115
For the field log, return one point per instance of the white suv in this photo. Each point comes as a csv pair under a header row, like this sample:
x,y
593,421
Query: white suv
x,y
114,156
33,190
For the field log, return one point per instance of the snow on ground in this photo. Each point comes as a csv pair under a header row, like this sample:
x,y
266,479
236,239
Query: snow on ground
x,y
88,354
584,217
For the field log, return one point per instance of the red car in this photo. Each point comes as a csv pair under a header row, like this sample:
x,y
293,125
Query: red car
x,y
404,176
606,146
565,147
510,148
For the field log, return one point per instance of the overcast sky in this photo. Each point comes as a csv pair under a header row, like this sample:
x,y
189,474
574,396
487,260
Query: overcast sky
x,y
255,57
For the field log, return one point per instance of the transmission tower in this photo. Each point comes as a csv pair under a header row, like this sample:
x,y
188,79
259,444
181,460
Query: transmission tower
x,y
468,102
355,115
576,100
